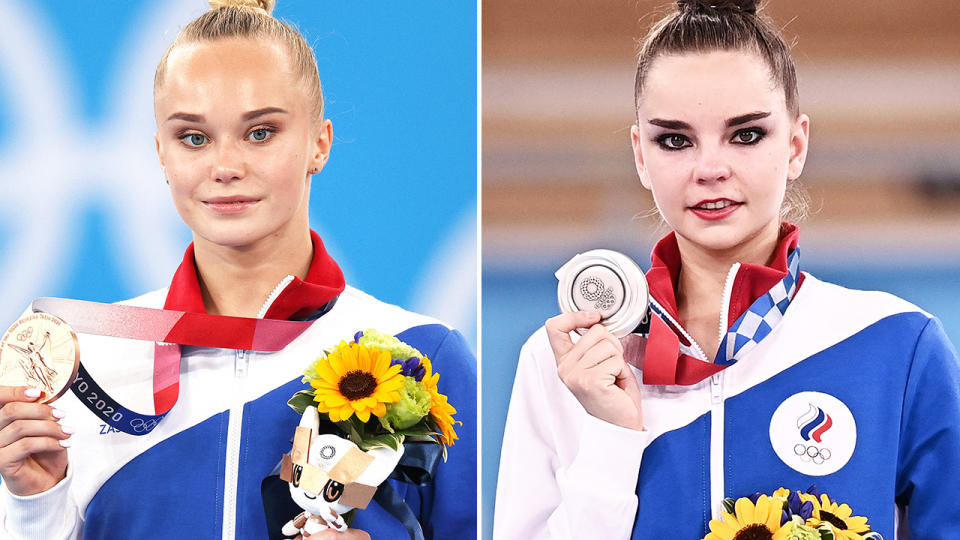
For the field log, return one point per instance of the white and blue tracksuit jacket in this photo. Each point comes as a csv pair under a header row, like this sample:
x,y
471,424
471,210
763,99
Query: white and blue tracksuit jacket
x,y
199,473
865,382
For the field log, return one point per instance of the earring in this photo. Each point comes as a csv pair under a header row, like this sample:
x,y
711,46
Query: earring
x,y
314,170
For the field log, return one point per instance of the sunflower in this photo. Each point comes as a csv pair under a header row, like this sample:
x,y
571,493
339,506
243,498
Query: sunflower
x,y
355,379
751,522
781,493
440,408
845,526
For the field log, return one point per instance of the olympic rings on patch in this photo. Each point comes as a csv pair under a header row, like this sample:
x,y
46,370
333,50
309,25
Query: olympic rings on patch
x,y
812,453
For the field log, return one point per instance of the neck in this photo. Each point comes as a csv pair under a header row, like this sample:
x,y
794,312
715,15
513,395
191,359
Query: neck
x,y
237,281
703,274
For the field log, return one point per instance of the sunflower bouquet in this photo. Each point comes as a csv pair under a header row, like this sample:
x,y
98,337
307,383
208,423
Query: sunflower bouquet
x,y
379,391
789,515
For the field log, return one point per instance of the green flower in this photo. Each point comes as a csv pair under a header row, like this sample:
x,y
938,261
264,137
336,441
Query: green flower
x,y
803,532
398,349
310,374
414,404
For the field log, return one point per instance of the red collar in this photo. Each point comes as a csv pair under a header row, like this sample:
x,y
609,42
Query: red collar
x,y
663,363
300,298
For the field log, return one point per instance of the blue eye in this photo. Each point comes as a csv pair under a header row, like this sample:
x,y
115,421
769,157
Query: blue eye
x,y
260,134
673,141
748,136
194,140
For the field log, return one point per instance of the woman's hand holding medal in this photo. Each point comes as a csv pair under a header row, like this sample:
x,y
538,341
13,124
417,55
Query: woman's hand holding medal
x,y
594,369
33,453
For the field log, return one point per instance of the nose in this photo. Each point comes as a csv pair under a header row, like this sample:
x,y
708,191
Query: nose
x,y
230,164
712,165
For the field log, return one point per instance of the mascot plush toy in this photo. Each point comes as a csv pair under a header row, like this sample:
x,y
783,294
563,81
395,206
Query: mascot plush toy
x,y
329,476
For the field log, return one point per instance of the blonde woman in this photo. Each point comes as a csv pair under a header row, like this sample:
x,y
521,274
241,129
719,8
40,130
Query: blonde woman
x,y
240,134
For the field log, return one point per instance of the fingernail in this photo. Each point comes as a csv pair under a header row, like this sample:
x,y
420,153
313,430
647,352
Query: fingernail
x,y
594,314
66,429
57,413
65,443
32,393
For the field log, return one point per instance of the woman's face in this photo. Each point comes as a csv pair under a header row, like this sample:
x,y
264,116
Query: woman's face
x,y
716,146
237,141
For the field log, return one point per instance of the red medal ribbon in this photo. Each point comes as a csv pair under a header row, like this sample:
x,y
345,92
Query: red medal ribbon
x,y
323,282
184,321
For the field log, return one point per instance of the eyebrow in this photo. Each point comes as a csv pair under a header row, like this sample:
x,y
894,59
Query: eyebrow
x,y
735,121
198,118
264,111
749,117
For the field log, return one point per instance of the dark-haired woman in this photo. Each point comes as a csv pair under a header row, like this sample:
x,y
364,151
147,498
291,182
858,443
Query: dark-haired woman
x,y
754,376
240,134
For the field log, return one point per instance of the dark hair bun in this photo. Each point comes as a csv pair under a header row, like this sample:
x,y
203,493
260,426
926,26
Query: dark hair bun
x,y
744,6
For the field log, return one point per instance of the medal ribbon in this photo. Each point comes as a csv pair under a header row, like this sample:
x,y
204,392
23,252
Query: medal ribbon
x,y
665,364
169,329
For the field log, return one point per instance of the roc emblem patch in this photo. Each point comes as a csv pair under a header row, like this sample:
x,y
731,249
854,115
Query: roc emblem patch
x,y
813,433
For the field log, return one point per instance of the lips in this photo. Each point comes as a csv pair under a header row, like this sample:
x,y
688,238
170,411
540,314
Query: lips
x,y
714,209
230,205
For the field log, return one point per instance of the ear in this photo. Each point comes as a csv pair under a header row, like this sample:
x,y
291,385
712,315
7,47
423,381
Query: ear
x,y
320,147
638,156
156,140
799,141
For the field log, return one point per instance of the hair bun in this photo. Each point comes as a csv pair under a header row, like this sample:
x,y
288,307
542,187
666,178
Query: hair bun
x,y
745,6
266,6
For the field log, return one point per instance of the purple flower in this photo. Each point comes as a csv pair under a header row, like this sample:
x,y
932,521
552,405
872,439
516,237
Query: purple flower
x,y
798,508
411,368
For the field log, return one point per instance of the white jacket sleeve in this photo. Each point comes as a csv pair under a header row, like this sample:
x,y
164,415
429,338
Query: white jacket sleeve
x,y
563,473
51,514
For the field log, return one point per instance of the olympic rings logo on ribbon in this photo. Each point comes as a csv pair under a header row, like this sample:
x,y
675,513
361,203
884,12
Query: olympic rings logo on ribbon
x,y
140,425
812,453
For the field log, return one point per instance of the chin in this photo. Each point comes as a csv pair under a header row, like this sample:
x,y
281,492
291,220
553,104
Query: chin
x,y
721,236
234,235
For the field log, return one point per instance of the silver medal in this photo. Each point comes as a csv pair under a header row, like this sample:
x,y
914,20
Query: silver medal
x,y
608,282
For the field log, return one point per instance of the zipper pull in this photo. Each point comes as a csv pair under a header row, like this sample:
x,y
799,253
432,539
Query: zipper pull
x,y
715,387
240,363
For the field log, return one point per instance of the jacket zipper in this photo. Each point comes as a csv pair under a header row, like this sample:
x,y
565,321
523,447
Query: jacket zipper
x,y
697,349
232,461
273,296
241,364
716,405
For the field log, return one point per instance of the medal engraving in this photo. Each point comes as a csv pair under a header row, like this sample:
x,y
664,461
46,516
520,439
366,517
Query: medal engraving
x,y
607,282
39,351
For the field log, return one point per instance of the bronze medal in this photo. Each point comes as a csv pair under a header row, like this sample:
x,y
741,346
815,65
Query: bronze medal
x,y
39,351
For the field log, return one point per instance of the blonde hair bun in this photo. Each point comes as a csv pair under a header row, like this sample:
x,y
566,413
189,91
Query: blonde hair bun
x,y
266,6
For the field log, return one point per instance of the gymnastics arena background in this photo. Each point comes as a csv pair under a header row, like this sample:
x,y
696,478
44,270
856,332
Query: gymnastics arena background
x,y
878,79
86,213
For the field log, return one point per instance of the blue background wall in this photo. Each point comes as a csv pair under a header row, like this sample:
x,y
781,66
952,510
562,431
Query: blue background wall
x,y
86,211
